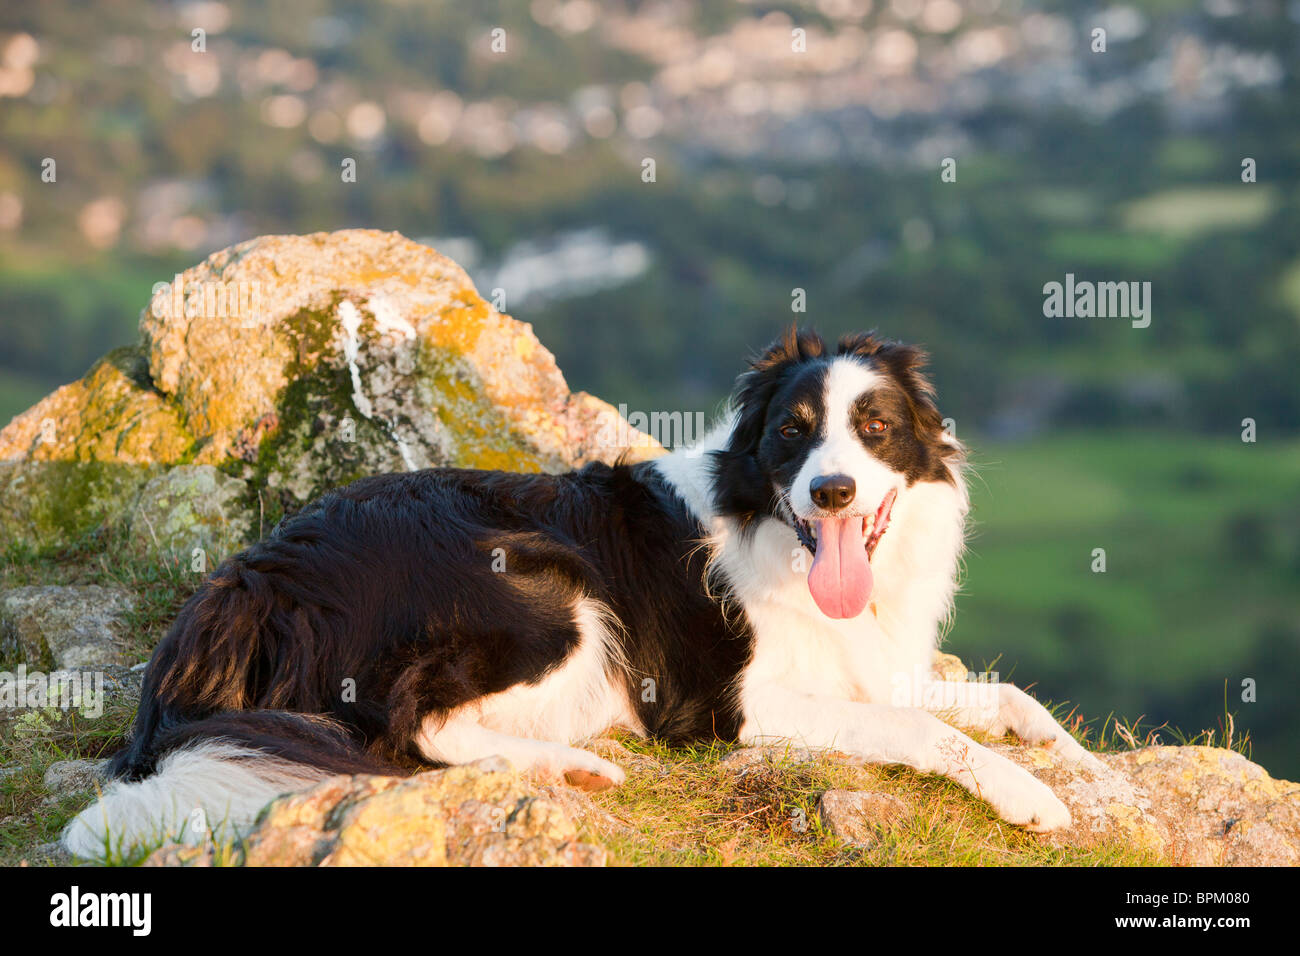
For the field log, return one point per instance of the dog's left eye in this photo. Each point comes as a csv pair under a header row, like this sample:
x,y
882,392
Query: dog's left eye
x,y
876,426
790,431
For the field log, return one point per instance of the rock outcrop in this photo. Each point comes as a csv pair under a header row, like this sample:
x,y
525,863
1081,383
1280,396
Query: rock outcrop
x,y
1193,806
280,368
478,814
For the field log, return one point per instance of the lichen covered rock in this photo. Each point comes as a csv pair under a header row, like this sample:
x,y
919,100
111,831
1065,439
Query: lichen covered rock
x,y
1193,806
478,814
296,364
364,352
114,414
1222,809
189,507
79,456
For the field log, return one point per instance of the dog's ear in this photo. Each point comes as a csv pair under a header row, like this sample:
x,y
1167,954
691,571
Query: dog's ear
x,y
757,384
906,365
740,488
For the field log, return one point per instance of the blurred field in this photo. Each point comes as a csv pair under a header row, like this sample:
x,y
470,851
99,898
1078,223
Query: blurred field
x,y
1202,541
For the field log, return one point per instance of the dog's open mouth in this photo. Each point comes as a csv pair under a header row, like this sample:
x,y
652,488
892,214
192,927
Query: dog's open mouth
x,y
840,578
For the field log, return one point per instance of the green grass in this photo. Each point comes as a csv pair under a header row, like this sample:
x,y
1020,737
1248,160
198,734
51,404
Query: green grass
x,y
103,557
686,807
29,816
34,740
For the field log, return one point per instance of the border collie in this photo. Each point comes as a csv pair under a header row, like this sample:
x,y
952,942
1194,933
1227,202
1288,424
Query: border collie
x,y
784,581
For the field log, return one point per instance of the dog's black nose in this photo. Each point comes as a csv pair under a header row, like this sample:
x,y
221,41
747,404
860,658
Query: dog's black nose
x,y
832,492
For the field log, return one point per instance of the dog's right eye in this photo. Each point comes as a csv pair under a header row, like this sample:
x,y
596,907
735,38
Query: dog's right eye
x,y
790,431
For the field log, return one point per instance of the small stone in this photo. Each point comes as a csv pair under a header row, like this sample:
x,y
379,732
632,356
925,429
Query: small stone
x,y
948,667
47,854
859,816
65,626
68,777
178,854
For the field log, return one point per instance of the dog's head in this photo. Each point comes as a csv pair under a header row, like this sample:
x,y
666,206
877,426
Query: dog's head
x,y
825,442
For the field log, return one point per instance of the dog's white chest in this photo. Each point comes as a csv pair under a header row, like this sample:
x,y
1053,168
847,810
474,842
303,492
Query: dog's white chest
x,y
797,646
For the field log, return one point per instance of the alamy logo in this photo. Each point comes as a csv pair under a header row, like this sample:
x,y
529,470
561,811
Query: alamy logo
x,y
212,299
636,429
103,909
62,690
1102,300
978,693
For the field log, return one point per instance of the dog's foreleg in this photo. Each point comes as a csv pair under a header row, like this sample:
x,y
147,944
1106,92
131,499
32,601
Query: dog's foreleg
x,y
998,708
900,735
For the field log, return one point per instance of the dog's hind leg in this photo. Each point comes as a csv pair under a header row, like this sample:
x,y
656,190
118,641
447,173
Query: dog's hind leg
x,y
460,738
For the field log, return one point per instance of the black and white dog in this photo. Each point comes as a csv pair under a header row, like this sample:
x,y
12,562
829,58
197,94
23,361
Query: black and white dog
x,y
784,581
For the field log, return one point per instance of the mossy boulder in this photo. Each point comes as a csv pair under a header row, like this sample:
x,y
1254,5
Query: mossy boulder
x,y
79,456
294,364
192,508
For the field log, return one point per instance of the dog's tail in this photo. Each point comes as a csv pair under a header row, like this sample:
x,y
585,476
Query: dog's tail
x,y
209,779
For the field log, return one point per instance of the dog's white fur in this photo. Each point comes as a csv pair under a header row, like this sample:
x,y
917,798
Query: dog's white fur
x,y
828,683
212,790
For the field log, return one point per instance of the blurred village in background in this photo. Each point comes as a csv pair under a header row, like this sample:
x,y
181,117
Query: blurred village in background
x,y
796,146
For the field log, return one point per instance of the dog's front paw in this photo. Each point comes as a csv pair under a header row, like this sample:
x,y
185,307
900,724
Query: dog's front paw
x,y
1033,723
1070,749
1018,796
1049,813
1032,805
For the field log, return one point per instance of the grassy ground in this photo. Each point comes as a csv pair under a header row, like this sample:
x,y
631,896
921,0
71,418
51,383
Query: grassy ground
x,y
679,806
34,740
687,807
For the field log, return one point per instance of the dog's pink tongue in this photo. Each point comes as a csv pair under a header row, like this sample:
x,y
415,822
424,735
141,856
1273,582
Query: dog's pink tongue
x,y
840,579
